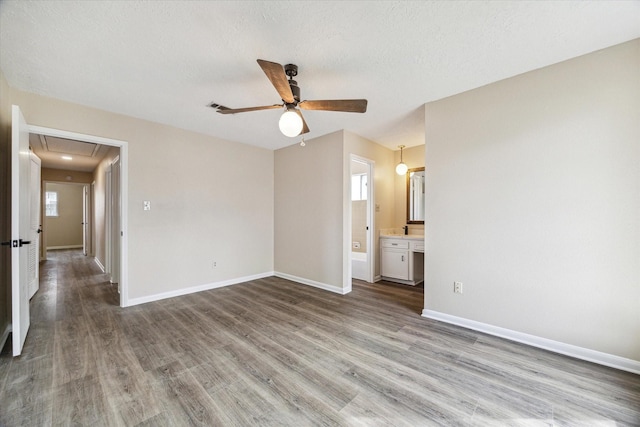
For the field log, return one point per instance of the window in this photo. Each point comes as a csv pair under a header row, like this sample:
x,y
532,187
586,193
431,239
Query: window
x,y
51,203
359,187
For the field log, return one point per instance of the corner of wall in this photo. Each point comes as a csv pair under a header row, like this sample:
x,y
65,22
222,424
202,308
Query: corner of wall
x,y
5,207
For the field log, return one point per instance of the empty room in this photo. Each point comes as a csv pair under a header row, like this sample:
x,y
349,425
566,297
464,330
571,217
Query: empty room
x,y
296,213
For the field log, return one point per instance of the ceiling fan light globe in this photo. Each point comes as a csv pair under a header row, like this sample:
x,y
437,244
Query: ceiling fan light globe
x,y
290,124
401,169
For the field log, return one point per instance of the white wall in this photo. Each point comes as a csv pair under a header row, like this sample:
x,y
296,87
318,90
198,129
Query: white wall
x,y
533,202
211,199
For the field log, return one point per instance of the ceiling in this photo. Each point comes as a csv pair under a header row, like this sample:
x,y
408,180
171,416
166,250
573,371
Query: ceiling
x,y
166,61
80,156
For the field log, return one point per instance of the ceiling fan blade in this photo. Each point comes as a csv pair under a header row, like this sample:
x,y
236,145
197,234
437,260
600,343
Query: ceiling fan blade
x,y
305,128
275,73
347,105
225,110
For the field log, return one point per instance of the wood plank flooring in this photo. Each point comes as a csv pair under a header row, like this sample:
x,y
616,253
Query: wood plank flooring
x,y
274,353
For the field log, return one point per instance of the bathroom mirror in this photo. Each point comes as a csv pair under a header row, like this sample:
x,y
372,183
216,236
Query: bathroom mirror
x,y
415,196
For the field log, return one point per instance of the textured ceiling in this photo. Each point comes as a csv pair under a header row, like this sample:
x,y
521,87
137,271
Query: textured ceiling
x,y
165,61
85,156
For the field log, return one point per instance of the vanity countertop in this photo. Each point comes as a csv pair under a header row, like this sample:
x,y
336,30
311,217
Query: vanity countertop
x,y
402,236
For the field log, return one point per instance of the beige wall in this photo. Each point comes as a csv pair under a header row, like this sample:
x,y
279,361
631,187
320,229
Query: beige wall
x,y
62,175
308,210
533,202
5,205
312,187
65,230
414,158
203,208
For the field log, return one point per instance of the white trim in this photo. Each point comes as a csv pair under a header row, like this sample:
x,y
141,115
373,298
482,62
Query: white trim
x,y
194,289
99,264
40,130
5,335
50,248
309,282
582,353
124,194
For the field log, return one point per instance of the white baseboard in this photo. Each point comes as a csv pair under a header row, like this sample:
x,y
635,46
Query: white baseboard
x,y
582,353
194,289
100,264
5,335
309,282
50,248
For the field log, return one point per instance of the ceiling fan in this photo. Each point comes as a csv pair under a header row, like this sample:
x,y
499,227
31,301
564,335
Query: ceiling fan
x,y
291,122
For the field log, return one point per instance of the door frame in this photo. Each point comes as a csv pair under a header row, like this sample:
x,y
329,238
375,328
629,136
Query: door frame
x,y
124,192
371,244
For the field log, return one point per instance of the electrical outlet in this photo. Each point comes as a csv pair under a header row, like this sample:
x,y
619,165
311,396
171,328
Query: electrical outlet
x,y
457,287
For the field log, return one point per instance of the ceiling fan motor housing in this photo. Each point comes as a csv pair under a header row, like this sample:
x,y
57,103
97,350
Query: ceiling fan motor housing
x,y
291,70
295,90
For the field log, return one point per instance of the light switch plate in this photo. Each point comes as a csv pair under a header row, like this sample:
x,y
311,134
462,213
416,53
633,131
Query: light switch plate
x,y
147,205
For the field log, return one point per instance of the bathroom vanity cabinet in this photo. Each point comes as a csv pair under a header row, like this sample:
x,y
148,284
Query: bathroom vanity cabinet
x,y
402,259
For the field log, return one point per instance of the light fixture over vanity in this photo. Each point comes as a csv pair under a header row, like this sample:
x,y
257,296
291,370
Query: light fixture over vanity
x,y
402,168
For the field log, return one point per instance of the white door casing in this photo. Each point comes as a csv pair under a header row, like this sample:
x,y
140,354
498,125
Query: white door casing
x,y
20,227
123,193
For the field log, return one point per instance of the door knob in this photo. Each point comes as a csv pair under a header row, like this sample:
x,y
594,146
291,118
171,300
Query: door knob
x,y
25,242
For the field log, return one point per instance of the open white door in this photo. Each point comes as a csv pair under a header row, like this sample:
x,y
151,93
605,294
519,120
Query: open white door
x,y
115,221
34,224
20,225
85,221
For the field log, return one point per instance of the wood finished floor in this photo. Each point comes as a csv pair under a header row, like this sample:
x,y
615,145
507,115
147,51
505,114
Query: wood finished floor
x,y
275,353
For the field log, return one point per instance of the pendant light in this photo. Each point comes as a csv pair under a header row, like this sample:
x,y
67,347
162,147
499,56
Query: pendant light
x,y
401,169
290,123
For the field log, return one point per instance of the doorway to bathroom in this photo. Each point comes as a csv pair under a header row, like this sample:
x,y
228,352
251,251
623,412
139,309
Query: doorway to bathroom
x,y
362,219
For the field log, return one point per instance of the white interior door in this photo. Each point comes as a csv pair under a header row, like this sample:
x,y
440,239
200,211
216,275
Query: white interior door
x,y
35,227
107,222
115,221
20,227
85,220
